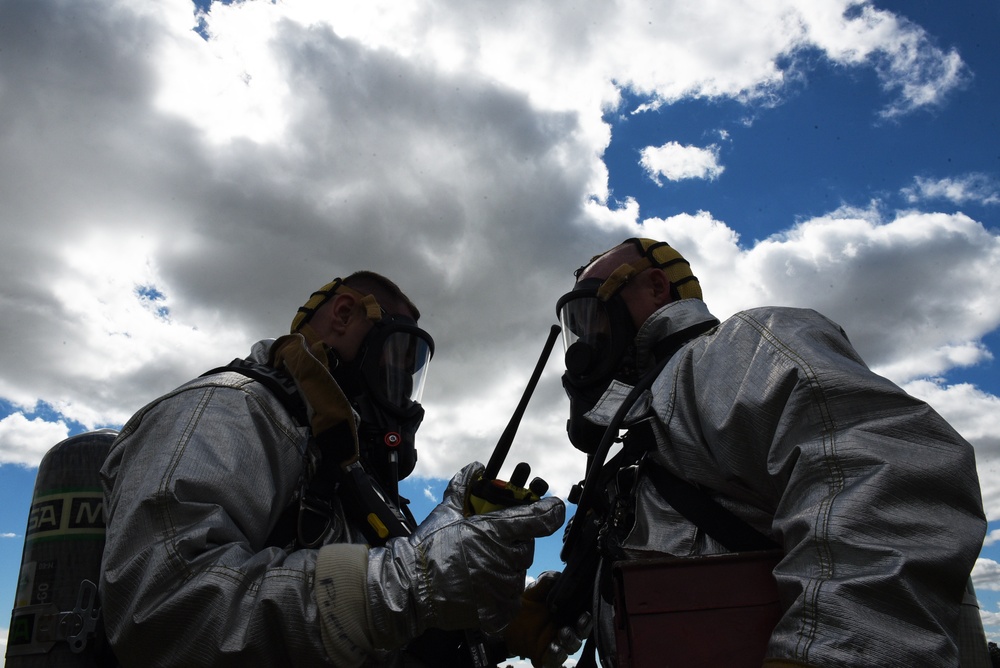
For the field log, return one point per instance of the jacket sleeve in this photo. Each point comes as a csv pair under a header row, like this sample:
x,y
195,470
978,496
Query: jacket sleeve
x,y
193,487
874,497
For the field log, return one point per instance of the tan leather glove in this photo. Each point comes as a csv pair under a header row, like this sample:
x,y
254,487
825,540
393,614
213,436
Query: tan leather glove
x,y
532,634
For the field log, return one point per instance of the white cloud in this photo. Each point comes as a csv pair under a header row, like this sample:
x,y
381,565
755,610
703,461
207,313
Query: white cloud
x,y
24,441
975,188
976,415
226,82
562,55
455,147
907,62
986,575
972,412
169,198
991,623
860,270
676,162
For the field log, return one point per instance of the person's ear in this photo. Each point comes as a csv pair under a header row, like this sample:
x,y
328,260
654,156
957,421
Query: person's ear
x,y
659,286
342,307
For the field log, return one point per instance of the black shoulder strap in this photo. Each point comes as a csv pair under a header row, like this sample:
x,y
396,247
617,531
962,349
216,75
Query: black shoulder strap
x,y
278,383
702,510
361,500
666,348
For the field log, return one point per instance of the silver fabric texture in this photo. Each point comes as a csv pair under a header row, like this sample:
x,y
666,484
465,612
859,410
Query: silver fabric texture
x,y
456,572
873,496
194,485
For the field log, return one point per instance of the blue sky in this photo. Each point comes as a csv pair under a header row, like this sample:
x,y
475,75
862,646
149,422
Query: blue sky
x,y
172,194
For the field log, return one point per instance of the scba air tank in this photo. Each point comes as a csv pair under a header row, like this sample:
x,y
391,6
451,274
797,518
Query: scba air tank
x,y
56,619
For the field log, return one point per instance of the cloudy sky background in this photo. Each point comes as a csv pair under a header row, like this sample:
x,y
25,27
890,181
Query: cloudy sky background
x,y
176,178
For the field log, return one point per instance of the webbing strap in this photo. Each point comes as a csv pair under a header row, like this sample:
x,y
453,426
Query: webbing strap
x,y
702,510
278,383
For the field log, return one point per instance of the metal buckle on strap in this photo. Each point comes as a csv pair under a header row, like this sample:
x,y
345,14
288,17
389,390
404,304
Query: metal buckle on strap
x,y
316,509
35,629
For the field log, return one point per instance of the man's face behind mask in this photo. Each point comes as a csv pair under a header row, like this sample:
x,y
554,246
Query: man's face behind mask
x,y
598,336
385,383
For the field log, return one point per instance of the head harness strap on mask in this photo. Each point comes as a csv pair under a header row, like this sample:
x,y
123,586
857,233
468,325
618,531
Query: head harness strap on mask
x,y
659,254
599,332
384,382
325,294
597,326
354,453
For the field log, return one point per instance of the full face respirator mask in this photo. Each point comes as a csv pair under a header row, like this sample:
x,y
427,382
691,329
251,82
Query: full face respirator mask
x,y
599,333
598,336
384,383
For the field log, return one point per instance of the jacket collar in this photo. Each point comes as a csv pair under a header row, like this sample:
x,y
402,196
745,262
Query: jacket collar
x,y
671,319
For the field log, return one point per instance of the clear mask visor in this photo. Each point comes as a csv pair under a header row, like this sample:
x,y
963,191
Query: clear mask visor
x,y
585,319
596,333
402,368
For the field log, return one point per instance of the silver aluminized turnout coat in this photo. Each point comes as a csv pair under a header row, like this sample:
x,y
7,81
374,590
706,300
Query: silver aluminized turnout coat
x,y
872,495
194,486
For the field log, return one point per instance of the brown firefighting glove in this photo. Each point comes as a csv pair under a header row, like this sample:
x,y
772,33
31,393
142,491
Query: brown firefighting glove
x,y
532,633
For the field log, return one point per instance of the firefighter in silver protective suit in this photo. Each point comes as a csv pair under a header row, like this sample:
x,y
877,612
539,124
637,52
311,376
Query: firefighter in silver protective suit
x,y
243,532
871,497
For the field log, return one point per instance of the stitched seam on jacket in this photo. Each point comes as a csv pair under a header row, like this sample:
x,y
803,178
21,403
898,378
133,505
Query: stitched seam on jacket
x,y
208,388
692,529
280,418
835,483
170,542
